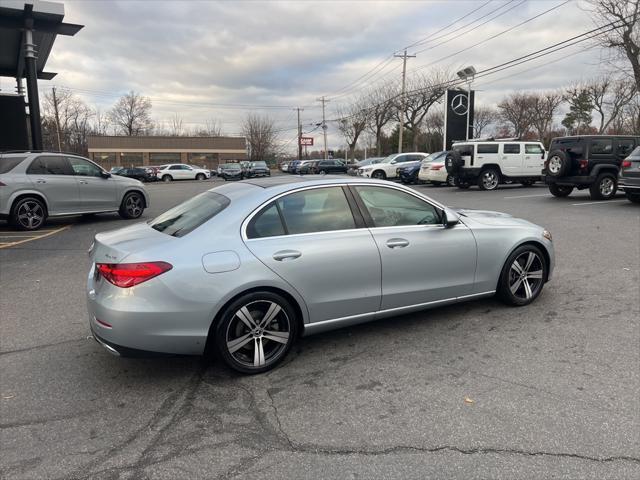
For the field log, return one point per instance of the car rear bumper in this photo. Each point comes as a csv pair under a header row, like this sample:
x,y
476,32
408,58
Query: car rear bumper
x,y
630,184
578,180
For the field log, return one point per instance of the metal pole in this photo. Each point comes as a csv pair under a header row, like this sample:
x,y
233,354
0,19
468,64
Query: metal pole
x,y
55,107
404,57
468,105
299,136
32,88
324,128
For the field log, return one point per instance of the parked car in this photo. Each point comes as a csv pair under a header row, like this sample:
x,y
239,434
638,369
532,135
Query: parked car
x,y
587,161
231,171
115,170
153,171
629,178
307,166
258,169
433,170
284,166
180,171
392,249
293,165
388,168
328,167
36,186
138,173
353,167
488,163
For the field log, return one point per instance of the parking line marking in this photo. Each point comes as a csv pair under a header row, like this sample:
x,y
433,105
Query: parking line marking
x,y
528,196
31,238
598,203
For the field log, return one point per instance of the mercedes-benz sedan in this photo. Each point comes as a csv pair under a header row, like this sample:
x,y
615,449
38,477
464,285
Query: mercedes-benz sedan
x,y
245,268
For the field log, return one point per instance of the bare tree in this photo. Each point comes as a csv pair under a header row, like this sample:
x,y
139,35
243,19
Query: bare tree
x,y
483,117
609,98
261,136
67,121
544,106
176,125
132,114
380,111
101,123
626,38
516,110
352,122
211,128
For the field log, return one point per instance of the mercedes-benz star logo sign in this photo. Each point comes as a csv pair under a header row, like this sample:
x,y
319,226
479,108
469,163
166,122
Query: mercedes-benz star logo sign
x,y
460,104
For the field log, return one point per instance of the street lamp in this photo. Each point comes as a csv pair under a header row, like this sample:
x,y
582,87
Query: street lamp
x,y
467,74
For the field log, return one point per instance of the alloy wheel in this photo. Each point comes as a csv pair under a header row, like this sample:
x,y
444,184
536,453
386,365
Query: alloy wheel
x,y
30,215
607,186
489,180
133,205
555,164
258,334
526,275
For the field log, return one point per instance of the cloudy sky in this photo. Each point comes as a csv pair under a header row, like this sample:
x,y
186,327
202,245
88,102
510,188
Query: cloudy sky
x,y
206,59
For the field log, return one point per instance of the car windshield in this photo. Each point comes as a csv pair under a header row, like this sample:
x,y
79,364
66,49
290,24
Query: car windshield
x,y
189,215
231,166
259,164
389,158
435,156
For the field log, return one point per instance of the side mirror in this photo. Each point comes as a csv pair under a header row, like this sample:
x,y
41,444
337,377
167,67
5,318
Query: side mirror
x,y
392,162
104,174
449,219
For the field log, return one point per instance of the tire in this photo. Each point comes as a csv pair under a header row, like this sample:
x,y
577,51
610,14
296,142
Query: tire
x,y
560,190
451,181
605,187
462,184
167,178
132,206
28,213
200,176
239,340
453,161
558,163
489,179
322,172
436,184
523,276
379,174
633,197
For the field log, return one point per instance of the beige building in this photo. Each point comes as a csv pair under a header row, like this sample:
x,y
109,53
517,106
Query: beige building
x,y
138,151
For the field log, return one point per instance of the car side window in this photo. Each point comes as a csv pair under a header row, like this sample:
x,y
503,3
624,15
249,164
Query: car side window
x,y
316,210
53,165
389,207
267,223
533,148
174,167
625,146
601,146
511,148
84,167
487,148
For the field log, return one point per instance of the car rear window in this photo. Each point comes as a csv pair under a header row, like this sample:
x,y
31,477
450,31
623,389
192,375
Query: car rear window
x,y
9,163
189,215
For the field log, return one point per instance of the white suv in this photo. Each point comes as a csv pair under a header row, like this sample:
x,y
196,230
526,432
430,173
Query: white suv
x,y
388,168
488,163
180,171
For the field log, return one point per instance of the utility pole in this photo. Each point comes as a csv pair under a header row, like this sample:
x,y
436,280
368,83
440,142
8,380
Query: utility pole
x,y
299,134
324,127
404,57
55,108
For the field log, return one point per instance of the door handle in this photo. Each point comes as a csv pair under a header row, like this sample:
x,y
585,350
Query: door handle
x,y
284,255
397,243
83,182
41,180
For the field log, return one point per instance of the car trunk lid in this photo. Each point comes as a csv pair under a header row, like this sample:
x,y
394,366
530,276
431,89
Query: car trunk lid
x,y
117,245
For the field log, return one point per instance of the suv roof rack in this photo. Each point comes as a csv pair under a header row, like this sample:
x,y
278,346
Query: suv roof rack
x,y
489,139
2,152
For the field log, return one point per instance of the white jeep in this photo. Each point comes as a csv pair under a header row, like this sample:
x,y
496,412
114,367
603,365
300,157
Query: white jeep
x,y
488,163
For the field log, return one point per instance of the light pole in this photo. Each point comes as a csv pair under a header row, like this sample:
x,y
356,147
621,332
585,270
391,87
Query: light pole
x,y
467,74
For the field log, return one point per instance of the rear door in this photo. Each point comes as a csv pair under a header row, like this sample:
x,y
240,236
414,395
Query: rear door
x,y
53,176
97,193
512,159
533,159
311,239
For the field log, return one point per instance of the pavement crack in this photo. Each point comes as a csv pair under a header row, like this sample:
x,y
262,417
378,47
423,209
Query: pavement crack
x,y
44,345
277,417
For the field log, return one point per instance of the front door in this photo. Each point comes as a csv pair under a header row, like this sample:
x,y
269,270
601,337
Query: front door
x,y
97,193
54,178
422,261
310,239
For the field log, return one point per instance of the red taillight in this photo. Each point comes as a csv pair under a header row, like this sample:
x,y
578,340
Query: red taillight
x,y
625,164
436,167
583,164
125,275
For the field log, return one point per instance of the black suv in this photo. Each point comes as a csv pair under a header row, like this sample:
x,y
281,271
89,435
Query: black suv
x,y
587,161
629,179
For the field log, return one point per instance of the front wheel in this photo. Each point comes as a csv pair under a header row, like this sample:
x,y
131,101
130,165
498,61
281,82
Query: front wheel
x,y
28,213
605,187
200,176
489,179
379,174
132,206
522,276
256,332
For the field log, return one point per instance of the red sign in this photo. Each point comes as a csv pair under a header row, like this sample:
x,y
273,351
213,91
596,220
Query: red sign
x,y
306,141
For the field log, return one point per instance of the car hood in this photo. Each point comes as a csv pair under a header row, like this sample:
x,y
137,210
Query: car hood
x,y
126,180
488,217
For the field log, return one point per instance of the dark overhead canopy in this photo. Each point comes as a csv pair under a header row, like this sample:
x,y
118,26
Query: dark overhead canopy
x,y
45,18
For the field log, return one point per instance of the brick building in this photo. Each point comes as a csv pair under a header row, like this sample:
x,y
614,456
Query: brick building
x,y
111,151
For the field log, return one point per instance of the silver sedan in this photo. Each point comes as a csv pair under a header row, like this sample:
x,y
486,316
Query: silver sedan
x,y
245,268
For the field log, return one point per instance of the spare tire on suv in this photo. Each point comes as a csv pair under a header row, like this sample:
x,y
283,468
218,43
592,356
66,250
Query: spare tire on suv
x,y
559,163
453,161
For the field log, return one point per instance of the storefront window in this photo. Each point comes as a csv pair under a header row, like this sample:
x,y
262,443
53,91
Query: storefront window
x,y
131,160
163,158
105,160
206,160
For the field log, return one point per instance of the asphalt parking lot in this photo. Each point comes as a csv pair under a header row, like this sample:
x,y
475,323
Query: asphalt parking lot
x,y
476,390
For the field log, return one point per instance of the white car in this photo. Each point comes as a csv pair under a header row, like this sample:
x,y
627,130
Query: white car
x,y
180,171
388,168
433,170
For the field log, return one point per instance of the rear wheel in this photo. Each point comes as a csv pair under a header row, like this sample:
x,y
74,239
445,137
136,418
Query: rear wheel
x,y
522,276
167,178
489,179
633,197
605,187
560,190
132,205
379,174
256,332
28,213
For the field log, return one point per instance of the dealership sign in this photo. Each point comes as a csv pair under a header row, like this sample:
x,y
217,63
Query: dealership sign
x,y
306,141
458,112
